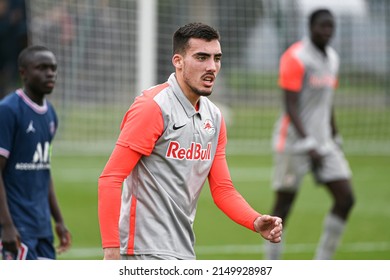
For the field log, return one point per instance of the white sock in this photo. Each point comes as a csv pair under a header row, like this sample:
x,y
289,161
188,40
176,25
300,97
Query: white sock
x,y
273,251
330,238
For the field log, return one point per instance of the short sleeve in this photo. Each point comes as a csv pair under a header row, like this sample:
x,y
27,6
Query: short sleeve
x,y
7,130
291,71
141,126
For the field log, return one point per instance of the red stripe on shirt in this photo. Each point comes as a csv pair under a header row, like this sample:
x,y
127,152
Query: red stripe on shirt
x,y
133,211
283,133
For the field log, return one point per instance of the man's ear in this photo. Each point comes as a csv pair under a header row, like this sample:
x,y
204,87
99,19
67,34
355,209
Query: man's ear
x,y
177,61
22,72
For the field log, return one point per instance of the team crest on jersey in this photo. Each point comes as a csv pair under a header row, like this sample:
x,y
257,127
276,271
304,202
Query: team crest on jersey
x,y
322,81
209,127
52,128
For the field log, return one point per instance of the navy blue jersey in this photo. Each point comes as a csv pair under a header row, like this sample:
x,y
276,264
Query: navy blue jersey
x,y
26,133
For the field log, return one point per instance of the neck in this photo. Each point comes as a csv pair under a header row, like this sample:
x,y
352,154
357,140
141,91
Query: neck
x,y
36,98
188,92
321,48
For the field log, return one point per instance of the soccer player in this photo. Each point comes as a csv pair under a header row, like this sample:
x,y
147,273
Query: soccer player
x,y
172,139
305,135
28,123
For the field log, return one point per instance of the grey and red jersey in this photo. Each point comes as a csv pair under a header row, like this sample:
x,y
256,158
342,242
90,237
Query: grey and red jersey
x,y
160,195
304,69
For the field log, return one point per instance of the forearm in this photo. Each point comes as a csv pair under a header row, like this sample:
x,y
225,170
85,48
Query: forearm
x,y
8,233
333,124
306,142
118,167
236,208
5,215
292,112
54,207
109,204
227,198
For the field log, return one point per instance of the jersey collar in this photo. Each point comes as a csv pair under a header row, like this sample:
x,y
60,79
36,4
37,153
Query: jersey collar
x,y
34,106
186,104
307,41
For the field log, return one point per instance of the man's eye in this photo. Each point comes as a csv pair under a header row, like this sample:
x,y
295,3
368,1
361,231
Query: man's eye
x,y
201,58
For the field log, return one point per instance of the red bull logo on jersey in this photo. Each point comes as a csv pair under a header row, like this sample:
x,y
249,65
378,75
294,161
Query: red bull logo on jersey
x,y
194,152
325,81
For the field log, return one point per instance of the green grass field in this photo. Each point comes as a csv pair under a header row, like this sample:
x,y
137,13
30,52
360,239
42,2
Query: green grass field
x,y
367,236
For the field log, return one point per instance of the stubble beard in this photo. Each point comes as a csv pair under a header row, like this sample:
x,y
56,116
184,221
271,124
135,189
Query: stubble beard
x,y
201,92
198,91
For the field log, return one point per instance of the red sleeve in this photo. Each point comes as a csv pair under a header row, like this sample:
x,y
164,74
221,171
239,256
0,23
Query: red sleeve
x,y
143,123
118,167
336,83
225,196
291,70
141,127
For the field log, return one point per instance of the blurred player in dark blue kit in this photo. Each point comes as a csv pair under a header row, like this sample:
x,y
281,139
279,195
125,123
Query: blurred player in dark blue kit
x,y
28,123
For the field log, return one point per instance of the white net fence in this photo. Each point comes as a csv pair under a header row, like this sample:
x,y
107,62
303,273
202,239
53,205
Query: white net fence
x,y
95,45
101,64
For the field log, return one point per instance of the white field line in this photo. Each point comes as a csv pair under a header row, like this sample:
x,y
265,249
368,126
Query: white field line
x,y
243,174
247,249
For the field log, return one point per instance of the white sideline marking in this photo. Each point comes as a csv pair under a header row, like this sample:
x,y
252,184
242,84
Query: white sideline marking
x,y
247,249
243,174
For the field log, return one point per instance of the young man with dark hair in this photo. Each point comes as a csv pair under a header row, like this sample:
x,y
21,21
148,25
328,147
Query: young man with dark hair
x,y
28,123
172,140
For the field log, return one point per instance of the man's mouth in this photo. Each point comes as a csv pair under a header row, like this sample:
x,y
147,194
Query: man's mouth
x,y
50,84
208,79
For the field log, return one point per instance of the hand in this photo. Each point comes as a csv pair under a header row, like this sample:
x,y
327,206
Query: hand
x,y
64,237
316,159
338,139
269,227
111,254
10,239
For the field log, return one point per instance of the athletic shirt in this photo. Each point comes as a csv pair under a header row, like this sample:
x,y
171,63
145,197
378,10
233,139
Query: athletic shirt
x,y
304,69
179,149
26,133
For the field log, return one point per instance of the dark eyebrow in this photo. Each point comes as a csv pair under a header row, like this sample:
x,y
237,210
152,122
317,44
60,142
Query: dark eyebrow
x,y
46,64
202,54
207,54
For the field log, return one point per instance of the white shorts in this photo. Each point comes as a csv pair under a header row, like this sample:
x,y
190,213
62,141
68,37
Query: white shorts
x,y
290,168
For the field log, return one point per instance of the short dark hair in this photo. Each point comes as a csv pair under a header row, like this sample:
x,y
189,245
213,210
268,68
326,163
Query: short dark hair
x,y
23,58
315,14
192,30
